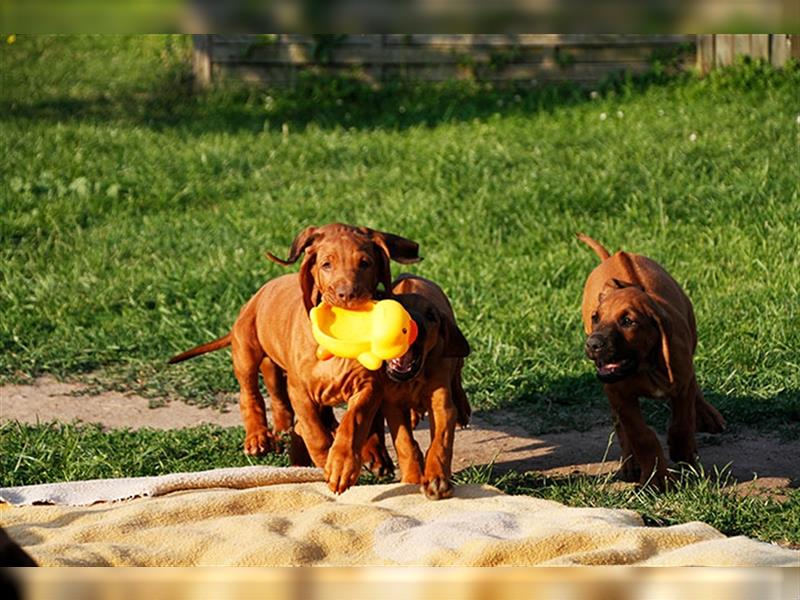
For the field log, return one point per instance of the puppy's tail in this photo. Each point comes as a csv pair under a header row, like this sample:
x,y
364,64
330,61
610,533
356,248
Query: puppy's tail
x,y
197,350
598,248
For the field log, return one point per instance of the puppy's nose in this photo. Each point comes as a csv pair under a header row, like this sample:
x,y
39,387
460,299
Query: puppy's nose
x,y
595,343
345,293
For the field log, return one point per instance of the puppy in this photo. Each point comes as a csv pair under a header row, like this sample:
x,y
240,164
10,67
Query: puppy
x,y
427,379
642,338
344,265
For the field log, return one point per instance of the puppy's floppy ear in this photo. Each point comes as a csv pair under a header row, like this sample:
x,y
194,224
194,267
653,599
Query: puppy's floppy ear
x,y
303,243
303,240
669,353
307,282
391,247
397,248
384,269
455,344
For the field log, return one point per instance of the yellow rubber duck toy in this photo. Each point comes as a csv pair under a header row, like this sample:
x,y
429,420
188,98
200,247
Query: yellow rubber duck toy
x,y
382,330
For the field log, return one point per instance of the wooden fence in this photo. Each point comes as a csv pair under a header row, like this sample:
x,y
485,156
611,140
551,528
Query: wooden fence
x,y
278,59
585,59
719,50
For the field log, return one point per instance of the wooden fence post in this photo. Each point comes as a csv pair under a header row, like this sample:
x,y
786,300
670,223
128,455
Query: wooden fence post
x,y
778,51
705,53
201,60
759,46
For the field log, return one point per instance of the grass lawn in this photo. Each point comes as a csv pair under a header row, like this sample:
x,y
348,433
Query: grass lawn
x,y
134,216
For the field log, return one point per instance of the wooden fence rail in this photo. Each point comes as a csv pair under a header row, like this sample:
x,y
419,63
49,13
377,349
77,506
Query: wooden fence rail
x,y
278,59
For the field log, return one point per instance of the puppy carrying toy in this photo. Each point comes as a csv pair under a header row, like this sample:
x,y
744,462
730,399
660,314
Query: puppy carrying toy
x,y
382,330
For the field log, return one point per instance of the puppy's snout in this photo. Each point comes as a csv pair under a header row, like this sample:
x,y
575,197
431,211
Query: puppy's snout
x,y
345,293
594,344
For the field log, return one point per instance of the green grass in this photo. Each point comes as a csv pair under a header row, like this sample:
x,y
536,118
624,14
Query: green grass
x,y
134,215
52,452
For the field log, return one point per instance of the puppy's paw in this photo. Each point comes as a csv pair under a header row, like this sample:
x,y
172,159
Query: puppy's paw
x,y
686,455
629,470
376,458
414,478
381,467
437,488
341,470
259,442
659,480
709,420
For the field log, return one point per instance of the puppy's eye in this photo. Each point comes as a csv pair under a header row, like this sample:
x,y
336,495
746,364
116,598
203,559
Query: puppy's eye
x,y
326,266
595,317
626,321
364,264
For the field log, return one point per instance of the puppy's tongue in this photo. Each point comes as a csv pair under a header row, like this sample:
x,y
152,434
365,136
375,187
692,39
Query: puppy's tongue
x,y
402,364
609,368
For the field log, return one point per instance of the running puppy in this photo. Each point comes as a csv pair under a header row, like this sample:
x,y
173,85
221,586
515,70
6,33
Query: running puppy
x,y
642,338
344,265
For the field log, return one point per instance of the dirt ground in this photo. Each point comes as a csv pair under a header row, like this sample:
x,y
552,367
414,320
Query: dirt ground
x,y
498,439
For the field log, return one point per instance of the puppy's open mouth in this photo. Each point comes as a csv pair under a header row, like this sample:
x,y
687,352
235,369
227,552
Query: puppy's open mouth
x,y
614,370
352,304
404,367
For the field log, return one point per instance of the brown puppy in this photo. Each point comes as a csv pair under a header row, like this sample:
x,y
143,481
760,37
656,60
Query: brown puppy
x,y
642,337
344,265
427,379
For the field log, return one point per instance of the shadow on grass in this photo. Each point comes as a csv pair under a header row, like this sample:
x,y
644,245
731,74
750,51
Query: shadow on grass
x,y
565,428
323,101
327,101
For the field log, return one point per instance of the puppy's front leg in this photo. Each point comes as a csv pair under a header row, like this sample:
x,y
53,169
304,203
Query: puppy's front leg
x,y
344,458
436,483
643,441
681,432
409,456
629,469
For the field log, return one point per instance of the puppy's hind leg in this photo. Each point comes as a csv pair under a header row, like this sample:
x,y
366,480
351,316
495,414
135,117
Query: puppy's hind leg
x,y
463,409
246,361
282,412
374,454
709,419
281,407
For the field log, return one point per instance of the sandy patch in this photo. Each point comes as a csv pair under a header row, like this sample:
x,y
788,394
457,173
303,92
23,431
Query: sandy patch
x,y
498,440
51,400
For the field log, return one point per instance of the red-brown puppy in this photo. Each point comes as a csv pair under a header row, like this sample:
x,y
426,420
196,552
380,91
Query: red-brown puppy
x,y
427,379
642,338
344,265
